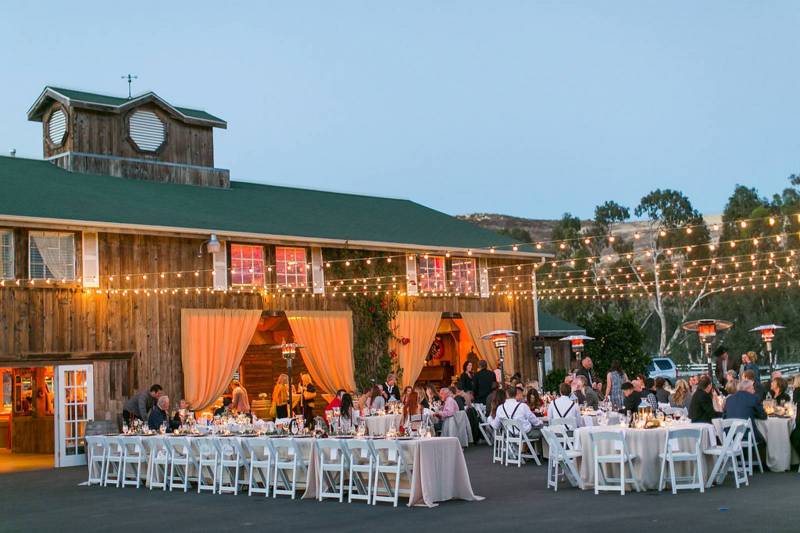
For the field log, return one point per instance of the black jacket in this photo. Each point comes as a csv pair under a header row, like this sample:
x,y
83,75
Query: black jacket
x,y
391,392
466,382
744,405
701,409
587,373
631,403
156,418
483,384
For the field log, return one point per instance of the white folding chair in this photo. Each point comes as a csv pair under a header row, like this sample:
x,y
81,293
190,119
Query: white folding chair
x,y
157,463
516,443
499,446
389,461
133,457
115,453
331,475
674,452
748,442
619,456
288,464
559,456
230,463
181,462
207,453
567,436
729,457
259,473
95,458
362,462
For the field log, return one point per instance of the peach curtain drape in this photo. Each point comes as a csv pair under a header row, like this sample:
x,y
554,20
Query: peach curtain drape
x,y
328,352
213,342
419,327
479,324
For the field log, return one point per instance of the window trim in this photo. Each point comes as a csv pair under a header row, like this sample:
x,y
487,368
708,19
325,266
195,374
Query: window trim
x,y
423,274
75,276
474,280
12,274
278,283
263,272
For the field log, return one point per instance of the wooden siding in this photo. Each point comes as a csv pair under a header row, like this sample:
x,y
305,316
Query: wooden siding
x,y
53,319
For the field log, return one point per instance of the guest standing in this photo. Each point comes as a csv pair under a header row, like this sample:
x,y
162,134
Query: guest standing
x,y
241,403
139,405
280,397
614,380
307,393
750,362
701,409
587,370
484,379
466,381
411,406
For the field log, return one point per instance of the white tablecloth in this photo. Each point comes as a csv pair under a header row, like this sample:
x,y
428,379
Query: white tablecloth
x,y
379,425
776,431
645,444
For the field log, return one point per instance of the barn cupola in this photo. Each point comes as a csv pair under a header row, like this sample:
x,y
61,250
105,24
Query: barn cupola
x,y
143,137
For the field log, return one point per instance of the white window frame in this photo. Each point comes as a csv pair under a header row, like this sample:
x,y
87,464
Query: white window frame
x,y
466,285
429,270
7,255
250,270
294,280
59,235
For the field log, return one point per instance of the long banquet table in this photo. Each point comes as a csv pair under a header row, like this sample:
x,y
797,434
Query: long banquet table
x,y
438,470
645,444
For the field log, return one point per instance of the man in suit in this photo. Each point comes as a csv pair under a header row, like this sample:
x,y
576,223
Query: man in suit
x,y
630,404
744,404
587,371
722,365
484,379
701,408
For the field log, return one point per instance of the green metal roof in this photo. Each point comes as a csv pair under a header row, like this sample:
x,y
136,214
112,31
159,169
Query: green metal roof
x,y
553,326
116,101
35,188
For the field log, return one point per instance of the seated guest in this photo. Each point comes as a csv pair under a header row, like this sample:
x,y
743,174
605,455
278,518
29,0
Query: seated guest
x,y
701,409
649,393
406,391
159,414
240,402
590,397
744,404
534,400
449,408
420,392
498,400
377,401
515,408
346,413
431,397
391,392
681,396
693,379
564,406
139,405
459,398
632,398
731,386
778,389
336,401
794,437
662,394
225,410
761,390
577,384
411,404
181,415
490,398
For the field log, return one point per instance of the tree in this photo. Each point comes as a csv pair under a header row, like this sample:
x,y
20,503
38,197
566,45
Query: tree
x,y
616,338
518,234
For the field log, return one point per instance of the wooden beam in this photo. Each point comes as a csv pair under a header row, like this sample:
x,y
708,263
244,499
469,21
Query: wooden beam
x,y
40,358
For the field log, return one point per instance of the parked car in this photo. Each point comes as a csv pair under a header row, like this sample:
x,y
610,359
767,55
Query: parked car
x,y
663,367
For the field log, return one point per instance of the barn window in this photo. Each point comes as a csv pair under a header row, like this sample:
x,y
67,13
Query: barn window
x,y
51,255
247,265
290,267
431,273
462,278
57,127
6,254
147,131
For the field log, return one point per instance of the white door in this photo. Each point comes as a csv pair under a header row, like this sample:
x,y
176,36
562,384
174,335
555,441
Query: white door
x,y
74,407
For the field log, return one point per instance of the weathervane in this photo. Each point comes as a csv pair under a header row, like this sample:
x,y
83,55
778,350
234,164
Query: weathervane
x,y
129,78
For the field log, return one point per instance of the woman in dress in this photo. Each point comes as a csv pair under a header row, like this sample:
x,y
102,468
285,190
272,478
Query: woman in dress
x,y
346,410
681,396
466,381
614,380
307,393
280,396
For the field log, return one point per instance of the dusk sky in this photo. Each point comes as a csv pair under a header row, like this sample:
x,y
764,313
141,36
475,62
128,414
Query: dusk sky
x,y
526,108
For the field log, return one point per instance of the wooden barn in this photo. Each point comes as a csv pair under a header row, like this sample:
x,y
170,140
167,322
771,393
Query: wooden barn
x,y
127,258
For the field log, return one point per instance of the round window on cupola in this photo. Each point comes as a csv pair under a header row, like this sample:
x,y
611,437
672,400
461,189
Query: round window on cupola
x,y
57,127
147,131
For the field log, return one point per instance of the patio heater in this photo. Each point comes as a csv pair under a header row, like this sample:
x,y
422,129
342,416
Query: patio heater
x,y
500,338
576,344
288,352
706,329
767,332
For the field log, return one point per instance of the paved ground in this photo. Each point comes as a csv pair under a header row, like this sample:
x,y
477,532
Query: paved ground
x,y
19,462
515,500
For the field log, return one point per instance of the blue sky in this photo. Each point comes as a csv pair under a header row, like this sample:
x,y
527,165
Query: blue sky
x,y
527,108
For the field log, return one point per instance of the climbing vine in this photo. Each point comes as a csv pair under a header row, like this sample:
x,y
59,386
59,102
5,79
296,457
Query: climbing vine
x,y
373,313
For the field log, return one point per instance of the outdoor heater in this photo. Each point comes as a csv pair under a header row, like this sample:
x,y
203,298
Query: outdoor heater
x,y
707,329
576,343
288,352
500,338
767,335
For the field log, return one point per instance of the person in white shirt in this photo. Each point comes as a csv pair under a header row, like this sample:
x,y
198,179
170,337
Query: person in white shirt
x,y
564,406
515,408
